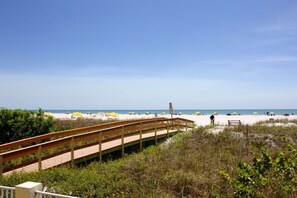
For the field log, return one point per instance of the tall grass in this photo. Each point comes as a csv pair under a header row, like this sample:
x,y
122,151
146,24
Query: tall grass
x,y
186,166
61,125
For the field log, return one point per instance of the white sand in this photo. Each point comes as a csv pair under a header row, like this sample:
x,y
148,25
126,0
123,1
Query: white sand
x,y
201,120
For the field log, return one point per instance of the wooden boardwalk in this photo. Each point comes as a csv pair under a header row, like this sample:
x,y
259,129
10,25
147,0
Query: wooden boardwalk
x,y
86,143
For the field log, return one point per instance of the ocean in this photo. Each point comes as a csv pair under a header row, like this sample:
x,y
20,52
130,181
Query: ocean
x,y
184,111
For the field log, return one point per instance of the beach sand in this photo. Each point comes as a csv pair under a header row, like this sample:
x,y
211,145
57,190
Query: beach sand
x,y
200,120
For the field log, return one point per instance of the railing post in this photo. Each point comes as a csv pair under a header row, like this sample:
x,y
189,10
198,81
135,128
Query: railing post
x,y
123,143
186,125
140,138
178,127
39,159
167,128
1,165
19,159
100,146
155,132
51,150
27,190
72,151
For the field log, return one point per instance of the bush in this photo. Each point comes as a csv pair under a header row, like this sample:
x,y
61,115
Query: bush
x,y
272,178
18,124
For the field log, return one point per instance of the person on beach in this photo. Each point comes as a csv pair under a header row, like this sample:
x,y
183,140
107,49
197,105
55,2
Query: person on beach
x,y
212,119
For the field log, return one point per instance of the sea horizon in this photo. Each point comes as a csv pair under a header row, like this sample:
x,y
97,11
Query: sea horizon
x,y
180,111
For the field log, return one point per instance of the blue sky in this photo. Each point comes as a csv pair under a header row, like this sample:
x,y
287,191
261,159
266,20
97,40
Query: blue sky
x,y
134,54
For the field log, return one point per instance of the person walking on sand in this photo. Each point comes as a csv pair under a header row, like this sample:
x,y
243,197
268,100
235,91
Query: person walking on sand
x,y
212,119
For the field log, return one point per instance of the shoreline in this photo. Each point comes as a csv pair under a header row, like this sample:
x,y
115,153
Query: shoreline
x,y
200,120
180,111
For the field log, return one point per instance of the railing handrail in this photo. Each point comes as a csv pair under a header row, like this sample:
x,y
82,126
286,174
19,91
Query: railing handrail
x,y
22,151
113,131
64,139
63,133
182,119
7,188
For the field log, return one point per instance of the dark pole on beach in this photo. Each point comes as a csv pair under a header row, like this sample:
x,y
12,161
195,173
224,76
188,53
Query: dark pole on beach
x,y
171,112
170,108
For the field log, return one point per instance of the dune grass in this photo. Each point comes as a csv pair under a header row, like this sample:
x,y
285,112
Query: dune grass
x,y
187,166
61,125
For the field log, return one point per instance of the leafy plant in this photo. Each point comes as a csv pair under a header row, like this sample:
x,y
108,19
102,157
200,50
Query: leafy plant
x,y
18,124
266,174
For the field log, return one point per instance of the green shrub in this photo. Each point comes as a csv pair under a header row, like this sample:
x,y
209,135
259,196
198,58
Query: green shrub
x,y
18,124
266,177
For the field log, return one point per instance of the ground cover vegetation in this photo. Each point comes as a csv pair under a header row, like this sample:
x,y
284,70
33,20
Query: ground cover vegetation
x,y
234,163
61,125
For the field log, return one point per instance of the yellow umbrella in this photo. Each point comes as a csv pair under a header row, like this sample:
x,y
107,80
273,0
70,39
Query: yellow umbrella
x,y
76,114
47,114
112,114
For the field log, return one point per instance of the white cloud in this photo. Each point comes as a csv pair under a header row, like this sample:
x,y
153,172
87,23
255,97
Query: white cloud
x,y
277,28
270,28
276,33
249,60
273,59
216,83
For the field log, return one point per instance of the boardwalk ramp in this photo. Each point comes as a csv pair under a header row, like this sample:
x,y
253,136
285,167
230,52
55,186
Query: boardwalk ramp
x,y
71,146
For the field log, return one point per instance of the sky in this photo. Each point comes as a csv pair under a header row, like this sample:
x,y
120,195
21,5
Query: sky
x,y
136,54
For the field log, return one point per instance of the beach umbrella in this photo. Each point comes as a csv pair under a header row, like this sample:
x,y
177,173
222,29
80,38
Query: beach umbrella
x,y
113,115
197,113
47,114
215,113
76,114
255,113
234,113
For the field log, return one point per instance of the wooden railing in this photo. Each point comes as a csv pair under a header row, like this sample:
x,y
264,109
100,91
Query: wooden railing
x,y
19,154
33,140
